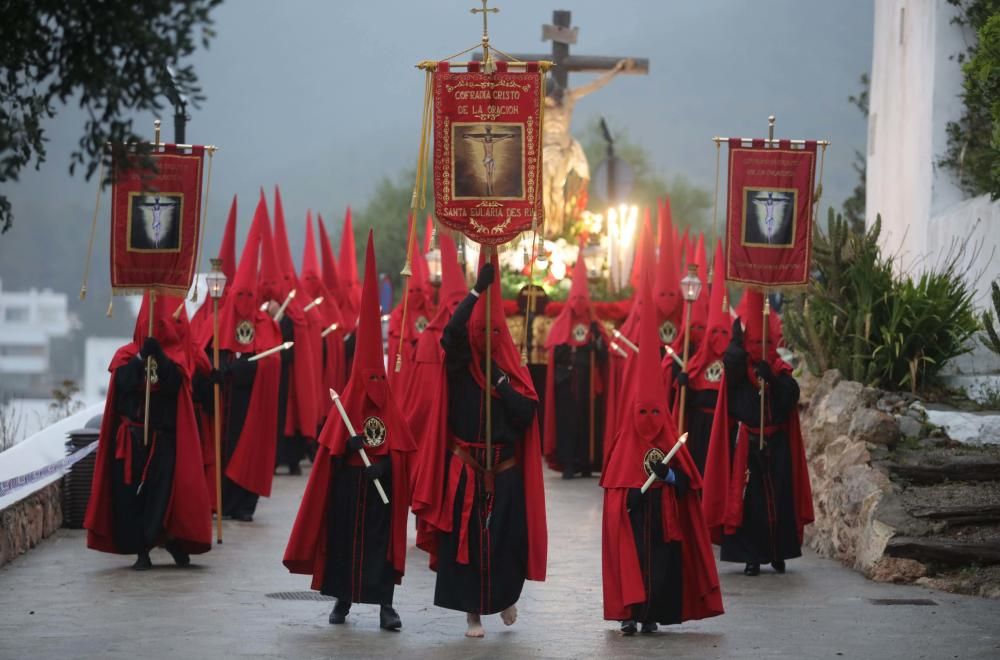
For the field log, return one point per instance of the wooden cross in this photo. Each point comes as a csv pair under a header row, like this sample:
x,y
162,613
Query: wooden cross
x,y
562,35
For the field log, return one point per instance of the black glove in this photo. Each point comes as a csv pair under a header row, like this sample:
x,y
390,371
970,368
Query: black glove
x,y
486,276
660,470
763,371
374,471
499,376
682,379
634,499
151,347
356,442
737,332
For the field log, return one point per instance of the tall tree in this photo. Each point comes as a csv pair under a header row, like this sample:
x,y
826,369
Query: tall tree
x,y
110,57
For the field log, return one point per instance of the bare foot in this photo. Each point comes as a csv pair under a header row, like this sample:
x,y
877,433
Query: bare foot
x,y
509,615
475,626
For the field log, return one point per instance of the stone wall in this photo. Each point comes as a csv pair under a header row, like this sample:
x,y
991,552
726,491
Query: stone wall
x,y
857,511
23,525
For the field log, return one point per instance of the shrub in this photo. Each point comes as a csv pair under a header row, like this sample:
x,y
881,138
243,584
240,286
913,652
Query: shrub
x,y
874,325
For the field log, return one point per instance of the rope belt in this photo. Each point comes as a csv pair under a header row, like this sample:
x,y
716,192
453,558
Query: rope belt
x,y
488,475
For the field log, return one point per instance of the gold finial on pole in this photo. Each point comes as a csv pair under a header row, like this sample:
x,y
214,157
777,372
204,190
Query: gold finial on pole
x,y
488,66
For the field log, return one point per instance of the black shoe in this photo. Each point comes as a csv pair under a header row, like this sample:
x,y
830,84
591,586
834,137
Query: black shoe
x,y
243,517
340,610
388,618
778,566
295,470
585,474
628,628
649,628
142,563
568,474
752,569
181,558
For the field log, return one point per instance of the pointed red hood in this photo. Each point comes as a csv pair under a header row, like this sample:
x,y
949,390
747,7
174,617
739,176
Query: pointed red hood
x,y
667,293
271,283
227,251
453,285
282,249
331,277
504,351
369,360
630,327
312,279
639,263
753,333
577,311
173,333
718,332
349,269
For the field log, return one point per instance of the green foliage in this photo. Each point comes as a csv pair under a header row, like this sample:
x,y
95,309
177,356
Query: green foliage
x,y
690,205
973,152
108,57
874,325
992,336
386,213
854,206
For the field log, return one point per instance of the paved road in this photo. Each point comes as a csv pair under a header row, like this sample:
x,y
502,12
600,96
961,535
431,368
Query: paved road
x,y
63,601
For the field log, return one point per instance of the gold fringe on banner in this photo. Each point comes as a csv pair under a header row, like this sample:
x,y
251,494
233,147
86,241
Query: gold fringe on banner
x,y
204,221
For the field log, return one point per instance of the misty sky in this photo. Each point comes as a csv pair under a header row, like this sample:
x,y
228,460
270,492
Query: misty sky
x,y
322,97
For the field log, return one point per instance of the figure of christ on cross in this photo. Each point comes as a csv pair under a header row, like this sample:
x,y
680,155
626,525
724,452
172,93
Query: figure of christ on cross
x,y
488,139
156,208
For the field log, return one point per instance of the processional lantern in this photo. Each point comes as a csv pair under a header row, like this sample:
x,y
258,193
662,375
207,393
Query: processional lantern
x,y
691,285
216,280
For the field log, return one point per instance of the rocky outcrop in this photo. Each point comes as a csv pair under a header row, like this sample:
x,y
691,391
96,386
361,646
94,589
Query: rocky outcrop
x,y
24,524
895,498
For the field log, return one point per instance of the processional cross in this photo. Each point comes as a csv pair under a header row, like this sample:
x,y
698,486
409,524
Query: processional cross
x,y
562,155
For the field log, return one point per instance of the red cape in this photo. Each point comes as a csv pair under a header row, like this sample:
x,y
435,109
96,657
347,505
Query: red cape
x,y
252,464
429,496
188,519
306,550
725,473
682,521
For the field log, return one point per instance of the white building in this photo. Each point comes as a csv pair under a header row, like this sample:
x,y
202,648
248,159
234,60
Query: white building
x,y
916,82
29,320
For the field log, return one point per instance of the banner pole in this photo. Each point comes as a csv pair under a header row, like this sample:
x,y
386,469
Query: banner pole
x,y
217,421
488,389
149,368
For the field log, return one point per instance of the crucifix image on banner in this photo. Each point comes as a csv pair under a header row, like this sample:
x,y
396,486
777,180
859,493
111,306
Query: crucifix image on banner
x,y
488,161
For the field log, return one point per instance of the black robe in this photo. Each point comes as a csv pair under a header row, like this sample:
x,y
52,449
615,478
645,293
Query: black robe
x,y
238,383
358,568
291,448
497,531
140,506
659,561
699,412
571,389
769,531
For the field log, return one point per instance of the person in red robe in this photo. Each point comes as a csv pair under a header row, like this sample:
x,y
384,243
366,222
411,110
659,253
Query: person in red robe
x,y
298,412
757,495
574,383
415,398
149,495
345,536
249,390
482,521
657,558
700,378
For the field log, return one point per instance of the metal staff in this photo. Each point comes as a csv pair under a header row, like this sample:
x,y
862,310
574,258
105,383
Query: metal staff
x,y
350,429
280,314
767,313
272,351
666,459
217,420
